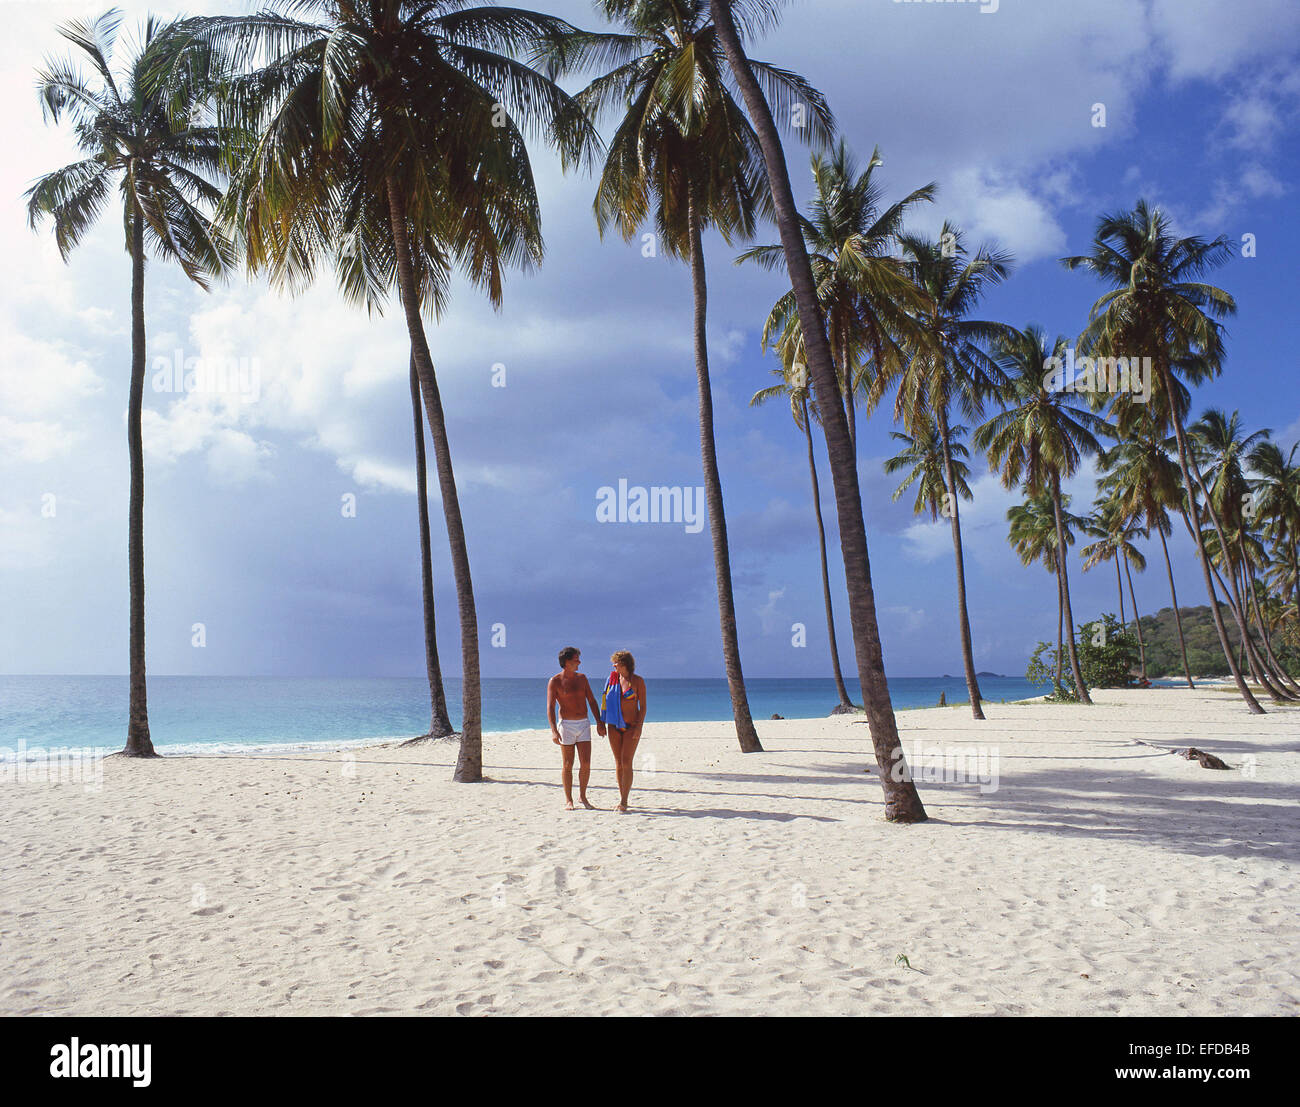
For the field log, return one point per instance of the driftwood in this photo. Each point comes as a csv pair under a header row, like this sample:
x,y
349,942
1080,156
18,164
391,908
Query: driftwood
x,y
1207,760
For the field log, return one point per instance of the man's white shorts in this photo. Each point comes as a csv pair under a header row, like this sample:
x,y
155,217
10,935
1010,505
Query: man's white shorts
x,y
573,731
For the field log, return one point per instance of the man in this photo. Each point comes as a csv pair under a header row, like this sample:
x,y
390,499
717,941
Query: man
x,y
569,689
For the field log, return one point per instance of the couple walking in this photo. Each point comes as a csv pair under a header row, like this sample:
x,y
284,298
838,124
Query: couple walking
x,y
621,711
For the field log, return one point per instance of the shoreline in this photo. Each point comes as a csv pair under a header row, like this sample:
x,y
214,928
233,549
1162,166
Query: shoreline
x,y
1098,875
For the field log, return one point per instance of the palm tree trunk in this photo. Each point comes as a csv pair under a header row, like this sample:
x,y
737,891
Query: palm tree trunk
x,y
902,801
138,741
439,721
1137,619
963,616
1178,618
850,404
1064,583
1181,438
840,689
745,731
1119,587
469,761
1060,628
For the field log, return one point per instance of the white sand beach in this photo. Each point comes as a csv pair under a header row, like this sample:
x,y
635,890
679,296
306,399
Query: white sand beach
x,y
1103,876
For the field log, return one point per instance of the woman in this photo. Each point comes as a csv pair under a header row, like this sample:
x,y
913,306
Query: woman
x,y
623,709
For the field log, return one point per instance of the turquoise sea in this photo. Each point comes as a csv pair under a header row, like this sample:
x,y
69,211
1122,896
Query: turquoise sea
x,y
231,714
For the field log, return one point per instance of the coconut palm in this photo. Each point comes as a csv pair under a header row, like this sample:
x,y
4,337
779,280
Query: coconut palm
x,y
149,137
947,364
1034,536
732,19
685,155
1115,532
922,460
1220,448
1277,504
794,387
388,141
865,291
1039,439
1158,307
1143,481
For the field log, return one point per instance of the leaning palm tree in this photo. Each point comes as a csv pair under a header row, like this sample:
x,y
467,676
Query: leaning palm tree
x,y
685,155
948,364
1039,439
864,289
1115,533
1034,536
1158,307
1277,501
1220,447
794,386
389,141
734,18
149,137
1144,483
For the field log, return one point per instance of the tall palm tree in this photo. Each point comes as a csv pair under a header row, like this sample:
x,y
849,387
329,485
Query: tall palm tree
x,y
1034,536
922,460
1158,307
1115,533
794,386
948,364
150,138
864,289
1277,501
1039,439
732,18
1144,483
388,140
684,154
1220,447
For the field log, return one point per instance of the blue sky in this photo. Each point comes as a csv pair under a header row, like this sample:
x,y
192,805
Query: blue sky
x,y
244,528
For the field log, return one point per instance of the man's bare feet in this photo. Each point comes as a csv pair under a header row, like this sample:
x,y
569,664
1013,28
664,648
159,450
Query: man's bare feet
x,y
588,804
621,808
568,805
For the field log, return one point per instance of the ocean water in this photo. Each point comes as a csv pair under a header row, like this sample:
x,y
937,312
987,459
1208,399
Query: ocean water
x,y
240,714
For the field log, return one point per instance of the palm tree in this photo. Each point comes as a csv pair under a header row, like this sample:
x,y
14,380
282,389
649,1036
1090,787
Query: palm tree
x,y
148,136
864,290
1219,449
389,140
732,18
948,364
794,386
1277,503
439,720
922,459
1034,536
1115,533
1158,307
1144,483
685,154
1039,439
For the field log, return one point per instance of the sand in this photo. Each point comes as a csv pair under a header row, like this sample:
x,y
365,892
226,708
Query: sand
x,y
1101,876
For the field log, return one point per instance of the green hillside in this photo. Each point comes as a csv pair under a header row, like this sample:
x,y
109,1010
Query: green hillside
x,y
1203,652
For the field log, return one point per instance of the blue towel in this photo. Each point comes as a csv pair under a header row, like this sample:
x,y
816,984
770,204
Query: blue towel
x,y
611,705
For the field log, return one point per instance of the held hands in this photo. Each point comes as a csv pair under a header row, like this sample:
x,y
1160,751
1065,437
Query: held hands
x,y
600,728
